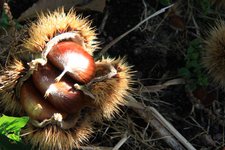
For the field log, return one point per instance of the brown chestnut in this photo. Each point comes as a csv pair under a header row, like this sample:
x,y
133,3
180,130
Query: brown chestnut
x,y
60,94
34,104
73,60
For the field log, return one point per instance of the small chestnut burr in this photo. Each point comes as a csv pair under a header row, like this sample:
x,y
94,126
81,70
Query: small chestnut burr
x,y
213,57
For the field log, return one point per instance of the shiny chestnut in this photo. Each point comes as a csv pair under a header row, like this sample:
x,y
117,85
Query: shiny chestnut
x,y
62,94
34,104
71,57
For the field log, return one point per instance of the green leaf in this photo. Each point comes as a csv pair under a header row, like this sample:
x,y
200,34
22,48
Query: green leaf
x,y
184,72
205,4
192,64
203,81
14,136
194,56
11,126
18,25
6,144
195,43
165,2
190,50
193,70
191,86
4,21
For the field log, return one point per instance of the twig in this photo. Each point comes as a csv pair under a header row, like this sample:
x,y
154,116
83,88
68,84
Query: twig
x,y
94,148
172,129
159,87
104,50
102,26
196,26
199,106
121,142
163,127
144,14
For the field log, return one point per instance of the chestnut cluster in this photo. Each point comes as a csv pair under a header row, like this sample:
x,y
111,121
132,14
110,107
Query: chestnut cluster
x,y
57,82
48,94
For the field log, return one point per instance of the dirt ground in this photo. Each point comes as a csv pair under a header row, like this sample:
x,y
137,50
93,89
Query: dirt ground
x,y
160,50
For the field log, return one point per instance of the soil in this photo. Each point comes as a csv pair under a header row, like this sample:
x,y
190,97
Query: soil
x,y
158,50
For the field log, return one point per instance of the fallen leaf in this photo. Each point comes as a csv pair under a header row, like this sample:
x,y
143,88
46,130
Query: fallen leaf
x,y
97,5
176,22
174,18
48,5
205,96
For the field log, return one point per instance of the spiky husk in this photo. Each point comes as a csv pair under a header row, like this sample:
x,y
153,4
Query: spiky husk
x,y
8,79
52,137
214,57
111,93
54,23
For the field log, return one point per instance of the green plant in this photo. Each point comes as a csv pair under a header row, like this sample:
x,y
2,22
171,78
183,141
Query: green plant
x,y
193,69
165,2
4,20
10,128
205,6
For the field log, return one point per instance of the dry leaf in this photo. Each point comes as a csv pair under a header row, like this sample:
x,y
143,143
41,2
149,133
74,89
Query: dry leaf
x,y
174,18
45,5
205,96
176,22
97,5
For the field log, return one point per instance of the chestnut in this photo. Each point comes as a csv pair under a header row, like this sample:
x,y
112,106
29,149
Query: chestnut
x,y
62,95
71,57
34,104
